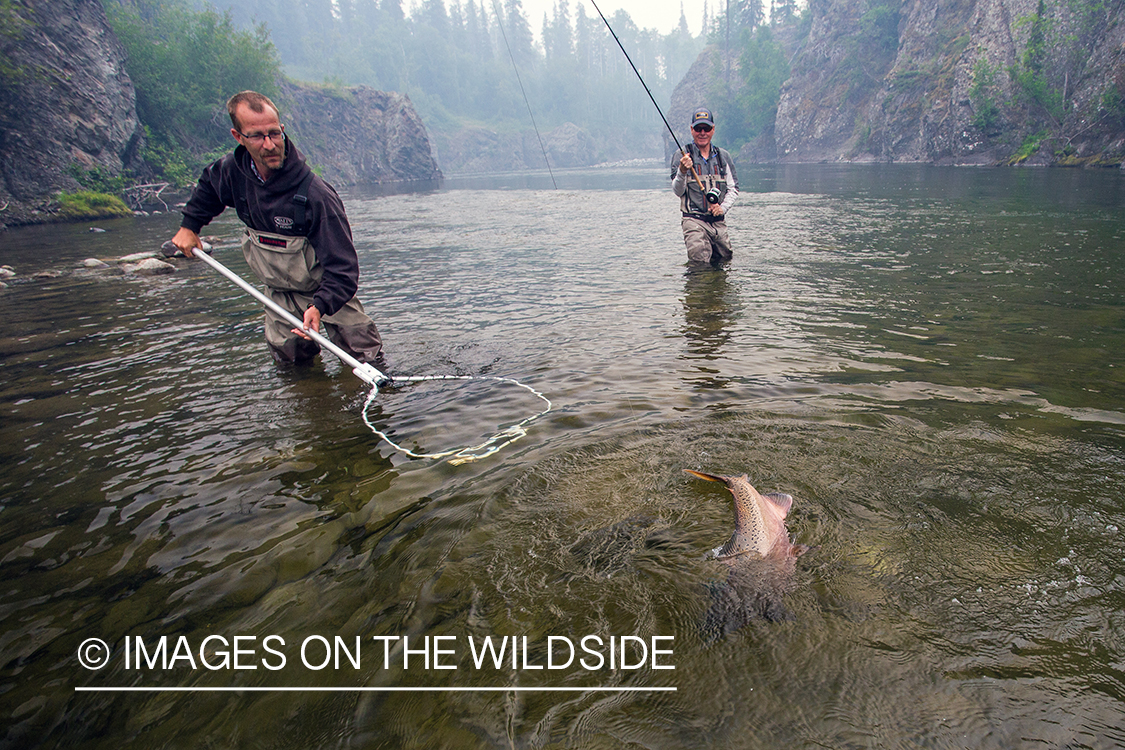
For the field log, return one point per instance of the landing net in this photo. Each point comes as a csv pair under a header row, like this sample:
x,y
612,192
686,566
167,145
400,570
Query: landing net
x,y
504,437
372,376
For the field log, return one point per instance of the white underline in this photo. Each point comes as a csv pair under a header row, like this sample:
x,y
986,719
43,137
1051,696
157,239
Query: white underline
x,y
373,689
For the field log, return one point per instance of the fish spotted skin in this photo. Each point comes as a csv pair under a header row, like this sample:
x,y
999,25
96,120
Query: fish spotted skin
x,y
759,520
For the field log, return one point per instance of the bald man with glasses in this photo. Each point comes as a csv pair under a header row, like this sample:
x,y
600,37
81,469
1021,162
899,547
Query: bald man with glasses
x,y
705,180
297,238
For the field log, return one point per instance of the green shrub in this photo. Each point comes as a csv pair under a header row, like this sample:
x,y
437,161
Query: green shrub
x,y
1029,146
185,65
98,179
1030,75
87,204
986,115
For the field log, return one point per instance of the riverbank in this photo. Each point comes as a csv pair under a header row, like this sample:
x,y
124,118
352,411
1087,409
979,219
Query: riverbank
x,y
77,207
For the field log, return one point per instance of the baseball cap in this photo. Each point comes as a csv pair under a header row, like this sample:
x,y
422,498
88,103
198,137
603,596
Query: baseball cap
x,y
702,115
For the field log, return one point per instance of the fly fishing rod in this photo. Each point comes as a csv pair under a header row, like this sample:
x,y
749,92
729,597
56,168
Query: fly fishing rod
x,y
650,96
376,379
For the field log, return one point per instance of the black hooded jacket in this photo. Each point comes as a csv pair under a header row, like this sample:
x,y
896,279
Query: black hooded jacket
x,y
269,207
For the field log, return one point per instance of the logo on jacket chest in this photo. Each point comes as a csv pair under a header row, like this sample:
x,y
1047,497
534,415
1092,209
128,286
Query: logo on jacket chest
x,y
283,222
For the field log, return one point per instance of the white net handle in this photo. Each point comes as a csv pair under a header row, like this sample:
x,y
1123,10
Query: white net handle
x,y
372,376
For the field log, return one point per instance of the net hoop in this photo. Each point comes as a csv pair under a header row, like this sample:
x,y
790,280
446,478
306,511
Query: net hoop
x,y
470,453
369,374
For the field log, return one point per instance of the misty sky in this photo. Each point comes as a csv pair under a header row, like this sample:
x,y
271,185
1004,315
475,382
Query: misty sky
x,y
662,15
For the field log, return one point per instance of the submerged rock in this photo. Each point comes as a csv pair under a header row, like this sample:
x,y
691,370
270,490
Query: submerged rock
x,y
135,257
149,267
95,263
48,274
6,272
612,550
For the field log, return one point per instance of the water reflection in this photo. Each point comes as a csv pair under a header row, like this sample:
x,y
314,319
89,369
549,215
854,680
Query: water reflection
x,y
710,305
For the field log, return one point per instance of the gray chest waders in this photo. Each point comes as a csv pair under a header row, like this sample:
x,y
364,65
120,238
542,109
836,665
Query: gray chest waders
x,y
289,268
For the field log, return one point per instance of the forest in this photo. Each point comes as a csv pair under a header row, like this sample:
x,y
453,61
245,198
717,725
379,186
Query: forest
x,y
465,63
461,59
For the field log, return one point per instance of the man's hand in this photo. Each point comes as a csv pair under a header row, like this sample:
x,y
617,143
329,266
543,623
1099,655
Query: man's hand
x,y
311,323
685,163
716,209
186,240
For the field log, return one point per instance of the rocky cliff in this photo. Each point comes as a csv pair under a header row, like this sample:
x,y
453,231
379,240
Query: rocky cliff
x,y
358,135
64,99
948,82
67,103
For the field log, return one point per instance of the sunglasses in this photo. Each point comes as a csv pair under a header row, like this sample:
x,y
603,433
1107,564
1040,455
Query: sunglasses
x,y
702,128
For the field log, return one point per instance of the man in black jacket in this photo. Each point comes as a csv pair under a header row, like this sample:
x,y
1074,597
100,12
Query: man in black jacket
x,y
297,238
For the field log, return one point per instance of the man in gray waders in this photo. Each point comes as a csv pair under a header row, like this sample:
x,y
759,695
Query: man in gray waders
x,y
707,184
297,238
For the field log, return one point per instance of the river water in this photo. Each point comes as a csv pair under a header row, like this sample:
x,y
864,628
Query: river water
x,y
931,361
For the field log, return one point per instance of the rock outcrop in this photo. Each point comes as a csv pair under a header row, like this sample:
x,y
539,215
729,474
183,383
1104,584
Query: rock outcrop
x,y
66,102
357,135
692,92
938,81
65,99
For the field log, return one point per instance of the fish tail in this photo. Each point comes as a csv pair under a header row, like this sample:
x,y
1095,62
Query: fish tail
x,y
708,477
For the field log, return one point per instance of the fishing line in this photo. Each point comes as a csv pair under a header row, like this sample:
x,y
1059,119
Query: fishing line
x,y
515,68
650,96
373,377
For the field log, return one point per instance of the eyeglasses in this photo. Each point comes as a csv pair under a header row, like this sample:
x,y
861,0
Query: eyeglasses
x,y
273,135
702,128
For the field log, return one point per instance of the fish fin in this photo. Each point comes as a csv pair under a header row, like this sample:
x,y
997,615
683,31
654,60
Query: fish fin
x,y
782,501
736,546
729,549
708,477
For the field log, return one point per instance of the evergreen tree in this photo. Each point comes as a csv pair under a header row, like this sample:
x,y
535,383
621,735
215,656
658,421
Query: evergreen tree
x,y
562,34
452,58
518,32
392,9
764,69
783,11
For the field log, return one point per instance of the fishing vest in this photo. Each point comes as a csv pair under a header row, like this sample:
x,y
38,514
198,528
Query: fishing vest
x,y
283,262
712,173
